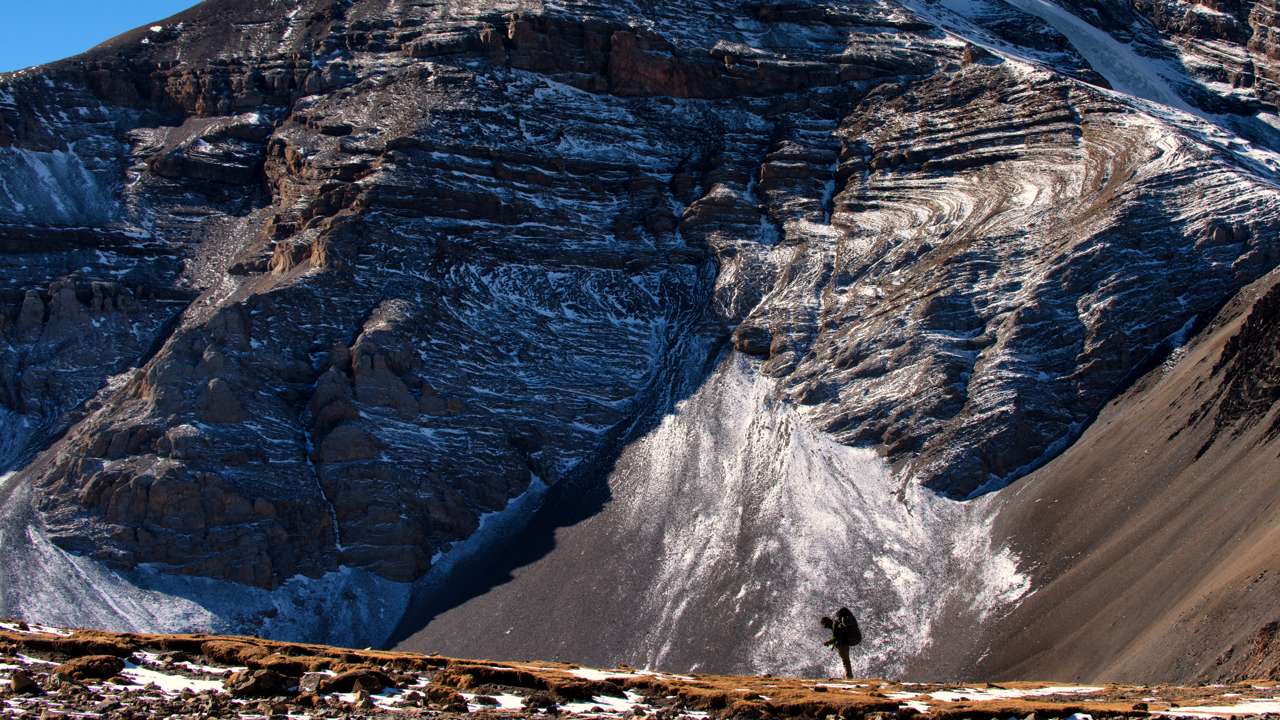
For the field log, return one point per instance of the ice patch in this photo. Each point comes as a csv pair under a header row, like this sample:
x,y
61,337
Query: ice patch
x,y
493,527
15,432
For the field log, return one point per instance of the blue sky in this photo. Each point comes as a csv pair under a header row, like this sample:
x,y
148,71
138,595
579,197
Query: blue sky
x,y
39,31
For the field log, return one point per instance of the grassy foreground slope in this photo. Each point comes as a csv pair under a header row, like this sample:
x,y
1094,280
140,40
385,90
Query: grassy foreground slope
x,y
49,672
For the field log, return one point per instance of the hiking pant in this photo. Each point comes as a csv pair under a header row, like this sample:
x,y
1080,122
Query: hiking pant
x,y
844,658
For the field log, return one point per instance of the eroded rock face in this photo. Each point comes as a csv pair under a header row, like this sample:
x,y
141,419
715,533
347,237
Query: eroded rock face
x,y
950,267
1250,371
380,268
1228,42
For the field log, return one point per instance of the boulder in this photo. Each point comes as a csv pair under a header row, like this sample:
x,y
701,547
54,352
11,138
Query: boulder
x,y
91,667
259,683
369,680
21,683
311,682
220,404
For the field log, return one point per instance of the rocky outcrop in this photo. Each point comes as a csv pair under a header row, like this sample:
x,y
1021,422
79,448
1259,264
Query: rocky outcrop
x,y
1250,373
258,683
91,667
1228,45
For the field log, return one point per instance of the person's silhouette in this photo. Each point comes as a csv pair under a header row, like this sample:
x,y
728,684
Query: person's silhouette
x,y
845,633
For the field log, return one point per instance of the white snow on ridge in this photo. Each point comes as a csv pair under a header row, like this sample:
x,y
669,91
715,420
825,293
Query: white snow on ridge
x,y
1137,77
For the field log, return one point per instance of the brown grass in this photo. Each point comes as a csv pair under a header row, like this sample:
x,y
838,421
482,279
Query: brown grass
x,y
721,695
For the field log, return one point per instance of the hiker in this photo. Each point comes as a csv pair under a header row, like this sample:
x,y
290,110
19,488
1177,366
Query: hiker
x,y
844,635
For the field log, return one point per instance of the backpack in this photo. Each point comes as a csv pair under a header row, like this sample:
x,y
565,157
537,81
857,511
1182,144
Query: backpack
x,y
845,628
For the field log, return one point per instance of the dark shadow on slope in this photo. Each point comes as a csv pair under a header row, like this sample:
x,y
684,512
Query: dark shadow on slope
x,y
473,574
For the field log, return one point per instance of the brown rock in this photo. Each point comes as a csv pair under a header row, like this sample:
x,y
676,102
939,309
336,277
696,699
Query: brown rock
x,y
363,701
369,680
310,682
231,652
973,54
347,443
97,667
753,340
332,402
21,683
541,700
445,697
220,404
31,316
258,683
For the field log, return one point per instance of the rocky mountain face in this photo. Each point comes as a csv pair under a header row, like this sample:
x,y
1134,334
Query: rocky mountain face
x,y
1174,528
311,305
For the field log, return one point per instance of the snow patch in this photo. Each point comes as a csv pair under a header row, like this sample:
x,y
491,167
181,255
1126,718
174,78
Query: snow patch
x,y
605,704
170,684
506,701
35,628
987,694
804,523
599,675
1253,707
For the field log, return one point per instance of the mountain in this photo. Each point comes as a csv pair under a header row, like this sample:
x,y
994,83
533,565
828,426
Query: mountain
x,y
647,331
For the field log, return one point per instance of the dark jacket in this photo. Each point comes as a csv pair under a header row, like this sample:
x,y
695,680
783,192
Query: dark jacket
x,y
845,630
